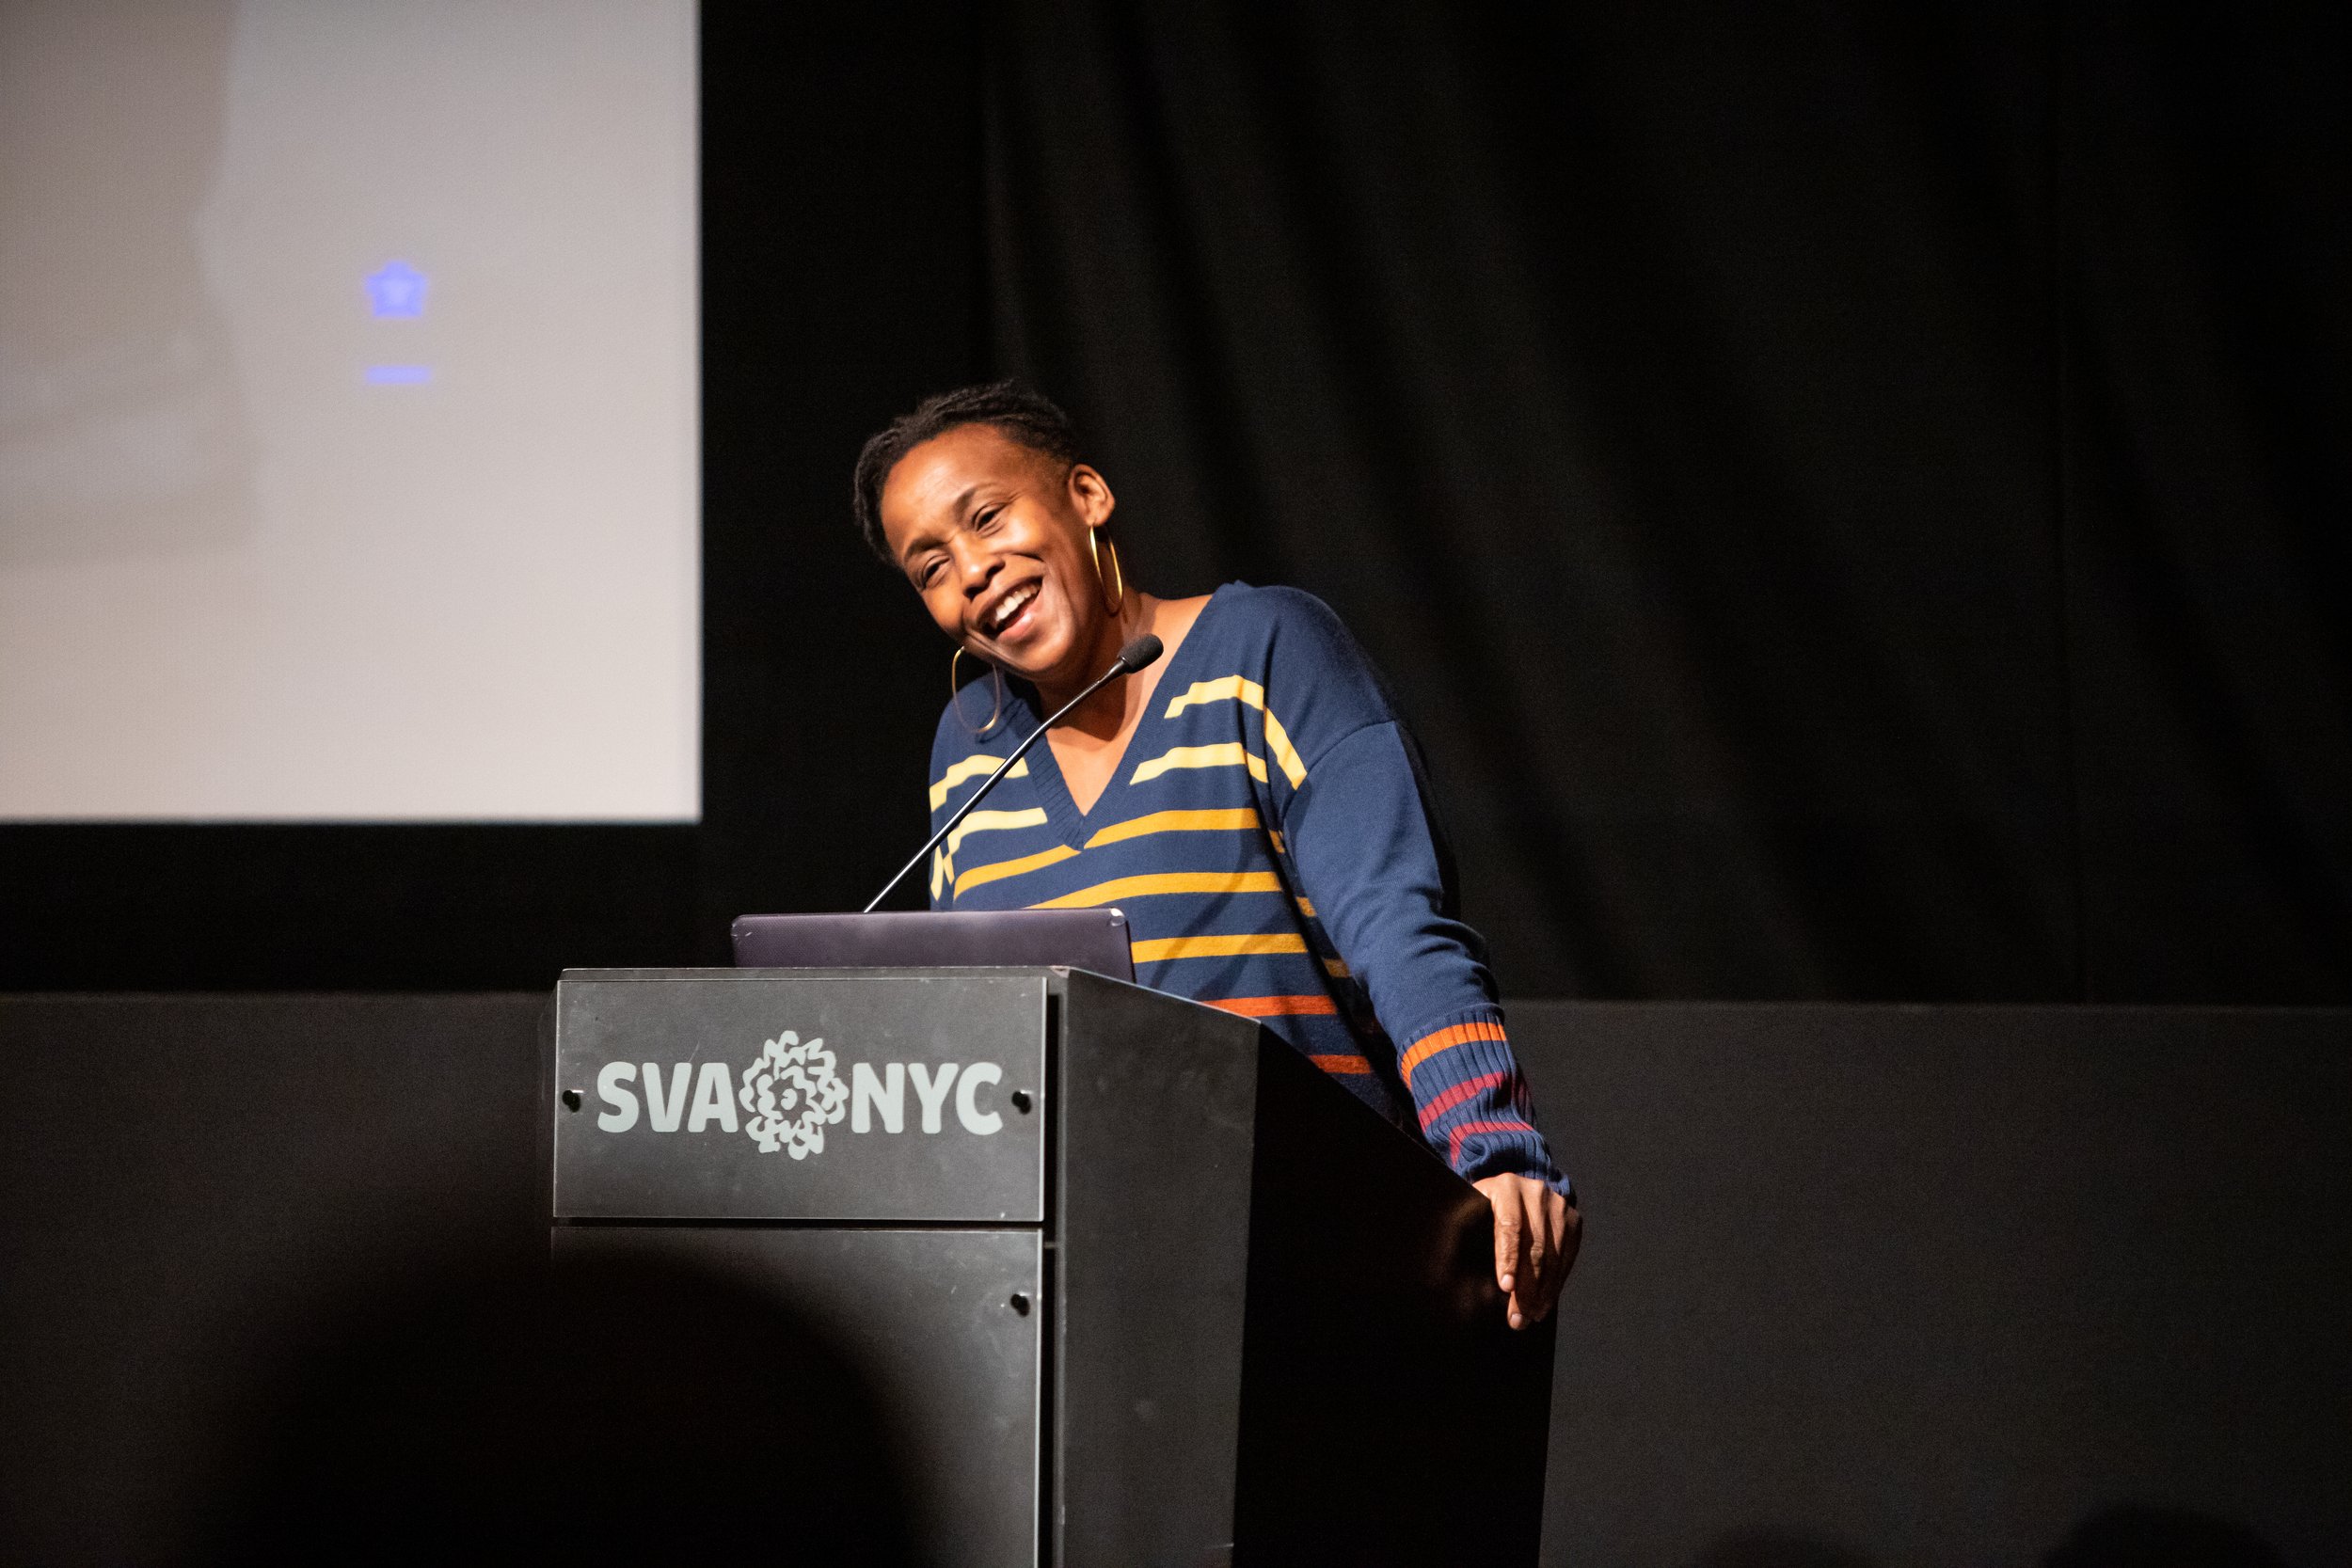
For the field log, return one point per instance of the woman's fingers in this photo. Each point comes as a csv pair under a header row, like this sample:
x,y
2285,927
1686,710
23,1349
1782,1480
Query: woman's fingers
x,y
1510,1239
1562,1232
1568,1239
1537,1239
1517,1262
1536,1286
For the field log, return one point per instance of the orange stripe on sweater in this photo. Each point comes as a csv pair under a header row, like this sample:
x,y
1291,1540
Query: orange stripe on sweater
x,y
1445,1039
1273,1007
1341,1064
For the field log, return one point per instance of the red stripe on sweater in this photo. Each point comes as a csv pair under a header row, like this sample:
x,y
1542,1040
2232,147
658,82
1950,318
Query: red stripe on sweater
x,y
1458,1093
1453,1143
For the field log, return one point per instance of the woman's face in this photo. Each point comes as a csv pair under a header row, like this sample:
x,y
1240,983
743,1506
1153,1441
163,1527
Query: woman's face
x,y
993,537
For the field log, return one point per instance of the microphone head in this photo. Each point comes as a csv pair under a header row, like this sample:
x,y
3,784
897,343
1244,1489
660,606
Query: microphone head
x,y
1140,653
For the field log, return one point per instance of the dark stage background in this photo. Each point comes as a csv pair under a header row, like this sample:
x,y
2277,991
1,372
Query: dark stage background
x,y
1851,496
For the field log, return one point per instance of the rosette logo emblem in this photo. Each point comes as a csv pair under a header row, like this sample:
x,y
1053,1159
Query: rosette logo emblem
x,y
792,1094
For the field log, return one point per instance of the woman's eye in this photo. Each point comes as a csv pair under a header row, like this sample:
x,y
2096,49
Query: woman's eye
x,y
987,518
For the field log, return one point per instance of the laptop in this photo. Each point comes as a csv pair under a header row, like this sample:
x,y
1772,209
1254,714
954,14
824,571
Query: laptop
x,y
1094,940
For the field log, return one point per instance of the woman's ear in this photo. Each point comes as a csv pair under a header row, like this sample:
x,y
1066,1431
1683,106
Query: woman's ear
x,y
1090,494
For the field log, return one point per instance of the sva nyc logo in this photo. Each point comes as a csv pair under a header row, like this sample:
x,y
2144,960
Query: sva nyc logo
x,y
792,1092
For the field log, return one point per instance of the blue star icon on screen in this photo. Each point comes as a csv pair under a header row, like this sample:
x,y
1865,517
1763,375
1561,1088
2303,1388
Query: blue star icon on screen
x,y
397,290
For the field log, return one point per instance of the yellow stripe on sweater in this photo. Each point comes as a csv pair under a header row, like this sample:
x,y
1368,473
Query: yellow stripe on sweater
x,y
996,871
1250,694
971,767
1165,881
1242,817
1224,755
994,821
944,863
1165,948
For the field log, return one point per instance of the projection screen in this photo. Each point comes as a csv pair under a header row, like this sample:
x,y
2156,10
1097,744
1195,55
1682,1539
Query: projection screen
x,y
348,425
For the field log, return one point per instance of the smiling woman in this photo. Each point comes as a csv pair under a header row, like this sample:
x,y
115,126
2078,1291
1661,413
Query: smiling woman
x,y
1251,800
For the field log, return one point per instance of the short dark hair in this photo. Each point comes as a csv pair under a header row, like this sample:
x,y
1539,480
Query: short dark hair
x,y
1022,413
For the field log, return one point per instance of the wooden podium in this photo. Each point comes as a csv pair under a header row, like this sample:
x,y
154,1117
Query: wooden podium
x,y
1142,1285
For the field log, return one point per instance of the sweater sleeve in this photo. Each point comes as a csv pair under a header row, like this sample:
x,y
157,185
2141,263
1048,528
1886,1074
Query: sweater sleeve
x,y
1367,855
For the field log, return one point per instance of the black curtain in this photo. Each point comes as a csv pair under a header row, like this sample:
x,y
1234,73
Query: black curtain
x,y
1851,496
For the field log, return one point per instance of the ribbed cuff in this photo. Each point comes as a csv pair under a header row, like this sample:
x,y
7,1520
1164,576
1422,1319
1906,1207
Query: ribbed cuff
x,y
1473,1100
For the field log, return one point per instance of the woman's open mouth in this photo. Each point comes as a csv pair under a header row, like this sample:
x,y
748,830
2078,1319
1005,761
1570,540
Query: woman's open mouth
x,y
1009,618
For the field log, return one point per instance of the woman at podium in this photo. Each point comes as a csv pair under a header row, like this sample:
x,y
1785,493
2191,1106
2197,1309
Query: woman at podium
x,y
1251,799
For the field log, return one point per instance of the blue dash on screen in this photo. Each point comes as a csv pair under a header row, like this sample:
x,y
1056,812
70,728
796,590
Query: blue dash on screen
x,y
399,375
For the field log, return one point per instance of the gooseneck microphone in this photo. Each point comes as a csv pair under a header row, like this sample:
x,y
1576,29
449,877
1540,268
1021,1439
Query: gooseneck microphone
x,y
1133,657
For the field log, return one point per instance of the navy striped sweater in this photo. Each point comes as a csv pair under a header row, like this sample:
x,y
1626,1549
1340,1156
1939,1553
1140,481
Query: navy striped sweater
x,y
1268,837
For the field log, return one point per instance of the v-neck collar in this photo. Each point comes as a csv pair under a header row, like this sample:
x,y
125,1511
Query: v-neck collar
x,y
1074,827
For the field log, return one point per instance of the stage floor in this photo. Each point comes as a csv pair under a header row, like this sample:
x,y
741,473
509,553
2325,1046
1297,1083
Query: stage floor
x,y
1861,1285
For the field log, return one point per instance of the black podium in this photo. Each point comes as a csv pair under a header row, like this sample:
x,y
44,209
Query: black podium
x,y
1141,1285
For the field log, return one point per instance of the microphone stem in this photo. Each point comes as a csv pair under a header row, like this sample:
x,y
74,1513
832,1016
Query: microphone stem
x,y
1119,668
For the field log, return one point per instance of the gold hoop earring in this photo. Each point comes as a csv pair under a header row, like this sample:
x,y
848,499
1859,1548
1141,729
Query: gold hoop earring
x,y
955,694
1094,546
